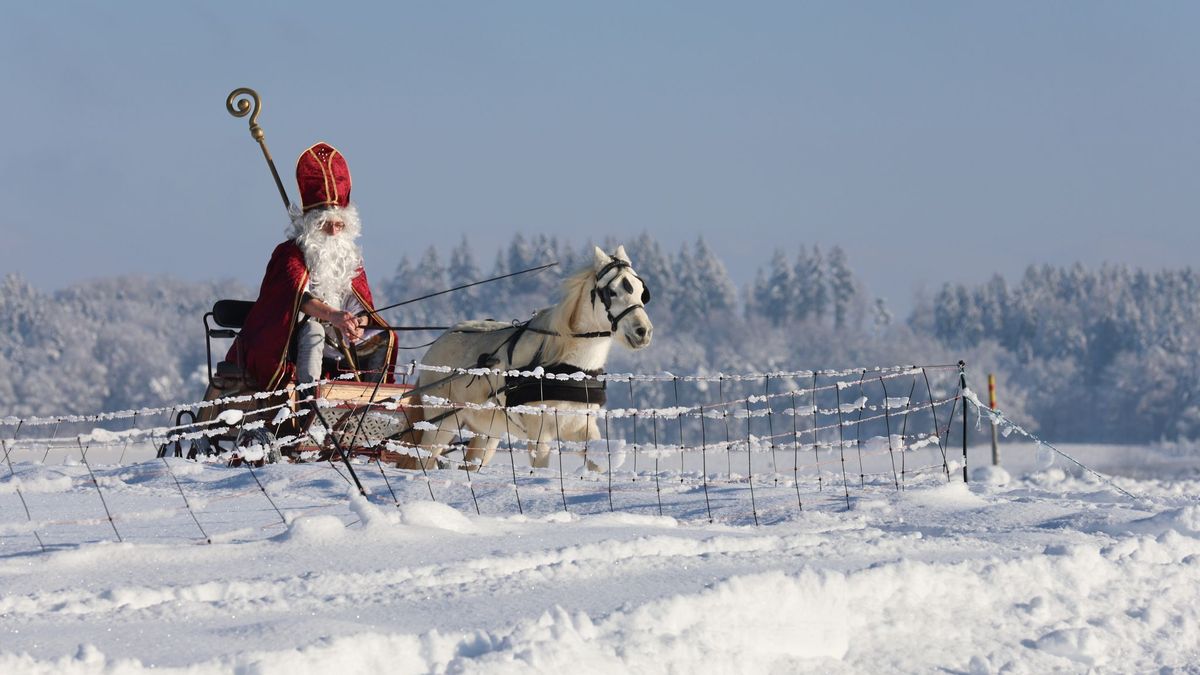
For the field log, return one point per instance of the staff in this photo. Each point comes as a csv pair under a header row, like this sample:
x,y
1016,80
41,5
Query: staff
x,y
242,108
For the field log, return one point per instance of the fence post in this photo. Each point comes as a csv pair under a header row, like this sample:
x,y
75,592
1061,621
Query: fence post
x,y
962,384
992,404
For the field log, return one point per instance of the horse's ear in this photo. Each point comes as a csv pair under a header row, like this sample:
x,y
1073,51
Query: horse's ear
x,y
620,254
601,257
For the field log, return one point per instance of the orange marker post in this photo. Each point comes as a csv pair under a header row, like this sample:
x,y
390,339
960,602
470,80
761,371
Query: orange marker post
x,y
992,405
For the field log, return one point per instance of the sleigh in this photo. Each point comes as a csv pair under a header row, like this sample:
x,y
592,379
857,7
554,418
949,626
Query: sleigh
x,y
239,421
601,304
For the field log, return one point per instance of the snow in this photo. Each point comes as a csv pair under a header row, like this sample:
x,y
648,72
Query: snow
x,y
1036,566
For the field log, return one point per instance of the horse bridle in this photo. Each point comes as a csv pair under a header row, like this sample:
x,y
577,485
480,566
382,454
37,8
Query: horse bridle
x,y
605,291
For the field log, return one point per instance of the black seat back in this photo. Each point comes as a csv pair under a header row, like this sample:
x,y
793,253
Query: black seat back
x,y
230,316
231,313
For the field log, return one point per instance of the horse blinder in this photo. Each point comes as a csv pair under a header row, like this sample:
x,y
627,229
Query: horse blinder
x,y
605,292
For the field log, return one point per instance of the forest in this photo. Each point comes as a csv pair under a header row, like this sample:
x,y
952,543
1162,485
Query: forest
x,y
1110,354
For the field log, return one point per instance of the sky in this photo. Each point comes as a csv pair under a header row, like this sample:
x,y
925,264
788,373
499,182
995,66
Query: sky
x,y
933,141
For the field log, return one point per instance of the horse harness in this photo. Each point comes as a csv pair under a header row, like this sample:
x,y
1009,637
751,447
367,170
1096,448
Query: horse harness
x,y
523,389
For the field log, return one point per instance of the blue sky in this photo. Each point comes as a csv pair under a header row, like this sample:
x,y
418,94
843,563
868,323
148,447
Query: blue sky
x,y
932,141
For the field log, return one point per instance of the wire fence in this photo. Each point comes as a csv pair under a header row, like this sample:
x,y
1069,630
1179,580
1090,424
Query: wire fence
x,y
730,448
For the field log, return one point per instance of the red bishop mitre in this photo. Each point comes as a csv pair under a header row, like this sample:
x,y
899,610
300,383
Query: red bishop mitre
x,y
323,177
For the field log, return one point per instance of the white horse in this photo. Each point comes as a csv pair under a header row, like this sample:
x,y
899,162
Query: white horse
x,y
601,304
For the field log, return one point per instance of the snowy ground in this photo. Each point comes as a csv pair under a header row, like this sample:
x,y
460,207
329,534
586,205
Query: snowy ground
x,y
1036,569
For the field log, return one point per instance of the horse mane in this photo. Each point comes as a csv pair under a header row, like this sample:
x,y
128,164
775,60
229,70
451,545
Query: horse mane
x,y
564,317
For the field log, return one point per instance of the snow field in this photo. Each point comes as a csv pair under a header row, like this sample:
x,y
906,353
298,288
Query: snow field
x,y
1022,571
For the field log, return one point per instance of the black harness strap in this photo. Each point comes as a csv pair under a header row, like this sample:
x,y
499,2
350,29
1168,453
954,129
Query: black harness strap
x,y
523,389
593,334
617,319
515,338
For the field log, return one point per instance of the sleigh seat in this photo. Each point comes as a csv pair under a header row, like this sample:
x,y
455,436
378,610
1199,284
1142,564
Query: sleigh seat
x,y
228,317
352,416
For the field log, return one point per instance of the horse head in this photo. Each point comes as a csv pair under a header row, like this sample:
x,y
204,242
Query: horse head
x,y
619,297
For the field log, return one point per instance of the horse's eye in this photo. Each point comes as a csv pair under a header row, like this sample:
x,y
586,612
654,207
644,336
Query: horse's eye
x,y
627,286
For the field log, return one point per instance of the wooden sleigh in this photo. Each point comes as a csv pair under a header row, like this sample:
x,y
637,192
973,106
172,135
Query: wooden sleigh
x,y
241,423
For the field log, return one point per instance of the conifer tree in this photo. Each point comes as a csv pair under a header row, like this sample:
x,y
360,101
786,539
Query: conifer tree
x,y
812,291
777,301
842,286
464,270
711,278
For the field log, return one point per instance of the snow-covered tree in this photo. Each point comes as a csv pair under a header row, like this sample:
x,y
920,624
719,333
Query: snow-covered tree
x,y
774,296
812,290
842,287
464,270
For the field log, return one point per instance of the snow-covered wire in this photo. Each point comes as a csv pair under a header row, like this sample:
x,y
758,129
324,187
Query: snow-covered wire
x,y
1007,426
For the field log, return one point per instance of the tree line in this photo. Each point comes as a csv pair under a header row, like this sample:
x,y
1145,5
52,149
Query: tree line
x,y
1101,354
1108,354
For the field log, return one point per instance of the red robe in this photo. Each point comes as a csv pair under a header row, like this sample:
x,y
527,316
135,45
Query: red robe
x,y
262,345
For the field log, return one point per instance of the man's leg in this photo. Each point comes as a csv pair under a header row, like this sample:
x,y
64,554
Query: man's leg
x,y
310,343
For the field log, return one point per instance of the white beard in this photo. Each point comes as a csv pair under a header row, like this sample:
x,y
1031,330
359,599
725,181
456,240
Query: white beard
x,y
333,260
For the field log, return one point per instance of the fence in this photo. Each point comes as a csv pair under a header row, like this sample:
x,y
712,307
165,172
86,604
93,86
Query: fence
x,y
730,448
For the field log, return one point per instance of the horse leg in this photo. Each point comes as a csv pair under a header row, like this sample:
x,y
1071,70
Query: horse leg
x,y
411,436
592,433
539,447
480,450
436,442
538,434
433,442
539,454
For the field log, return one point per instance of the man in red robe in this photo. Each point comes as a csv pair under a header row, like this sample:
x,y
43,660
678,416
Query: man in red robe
x,y
314,308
